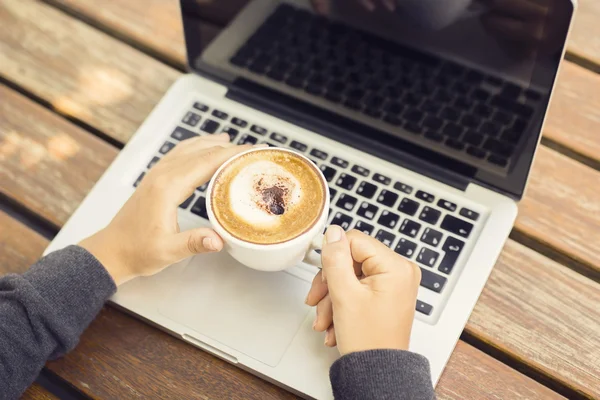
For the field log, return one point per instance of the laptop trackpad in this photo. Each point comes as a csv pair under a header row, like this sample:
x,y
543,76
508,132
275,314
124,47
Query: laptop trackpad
x,y
256,313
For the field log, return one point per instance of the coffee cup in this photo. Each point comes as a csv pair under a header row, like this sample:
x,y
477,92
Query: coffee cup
x,y
270,207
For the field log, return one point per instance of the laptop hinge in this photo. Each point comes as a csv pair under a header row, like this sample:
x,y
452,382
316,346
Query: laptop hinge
x,y
360,136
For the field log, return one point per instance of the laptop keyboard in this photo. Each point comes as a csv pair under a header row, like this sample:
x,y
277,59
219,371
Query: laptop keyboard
x,y
457,107
417,224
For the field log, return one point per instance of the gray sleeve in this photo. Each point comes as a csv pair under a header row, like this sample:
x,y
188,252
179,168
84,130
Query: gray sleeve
x,y
382,375
44,311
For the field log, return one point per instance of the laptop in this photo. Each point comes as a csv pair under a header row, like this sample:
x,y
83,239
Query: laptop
x,y
424,118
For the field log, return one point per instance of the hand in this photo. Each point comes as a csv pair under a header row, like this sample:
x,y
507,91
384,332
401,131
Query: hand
x,y
365,294
144,237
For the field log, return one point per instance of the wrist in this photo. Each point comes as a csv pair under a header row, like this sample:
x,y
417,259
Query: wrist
x,y
106,249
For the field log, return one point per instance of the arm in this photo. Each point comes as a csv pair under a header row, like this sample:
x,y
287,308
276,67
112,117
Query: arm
x,y
44,311
365,297
381,374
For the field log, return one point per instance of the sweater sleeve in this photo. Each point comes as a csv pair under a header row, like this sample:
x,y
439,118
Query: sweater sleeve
x,y
45,310
382,375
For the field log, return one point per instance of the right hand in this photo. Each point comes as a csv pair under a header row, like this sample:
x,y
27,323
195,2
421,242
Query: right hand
x,y
365,294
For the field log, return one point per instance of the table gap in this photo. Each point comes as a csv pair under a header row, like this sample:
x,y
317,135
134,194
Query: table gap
x,y
523,367
567,152
27,217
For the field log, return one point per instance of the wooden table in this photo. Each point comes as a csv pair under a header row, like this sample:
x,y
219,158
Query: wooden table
x,y
77,77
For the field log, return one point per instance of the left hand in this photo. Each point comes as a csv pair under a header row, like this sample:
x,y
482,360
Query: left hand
x,y
144,236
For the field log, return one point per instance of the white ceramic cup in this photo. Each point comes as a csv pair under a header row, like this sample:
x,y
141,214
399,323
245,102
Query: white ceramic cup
x,y
279,256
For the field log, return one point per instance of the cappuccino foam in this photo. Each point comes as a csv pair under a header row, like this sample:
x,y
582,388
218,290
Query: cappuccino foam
x,y
268,196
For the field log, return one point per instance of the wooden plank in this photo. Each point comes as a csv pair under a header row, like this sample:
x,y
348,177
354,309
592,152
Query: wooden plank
x,y
24,57
119,356
572,120
77,70
36,392
37,160
557,338
585,37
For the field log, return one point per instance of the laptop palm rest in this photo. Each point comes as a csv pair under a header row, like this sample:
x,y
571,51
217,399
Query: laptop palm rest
x,y
255,313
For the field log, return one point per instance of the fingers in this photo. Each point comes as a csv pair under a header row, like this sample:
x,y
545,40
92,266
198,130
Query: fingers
x,y
330,338
324,317
317,291
321,6
195,241
373,255
338,265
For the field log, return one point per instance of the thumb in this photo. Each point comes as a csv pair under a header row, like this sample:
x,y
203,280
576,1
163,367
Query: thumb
x,y
197,241
338,265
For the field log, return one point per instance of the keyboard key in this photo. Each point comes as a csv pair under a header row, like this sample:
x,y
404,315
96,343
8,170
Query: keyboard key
x,y
153,162
470,121
497,160
455,144
259,130
452,130
385,237
364,227
388,219
187,202
139,179
406,248
473,138
497,147
247,139
490,128
319,154
436,137
298,146
472,215
403,187
433,123
209,126
382,179
332,193
239,122
346,181
387,198
452,247
232,132
183,134
166,147
408,206
457,226
392,120
413,127
476,152
427,257
446,205
342,220
431,237
423,308
278,137
410,228
366,189
360,170
430,215
510,91
220,114
432,281
425,196
200,107
339,162
346,202
367,210
199,207
328,172
202,188
191,119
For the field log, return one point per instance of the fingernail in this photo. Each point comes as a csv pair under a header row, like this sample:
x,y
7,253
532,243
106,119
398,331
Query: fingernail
x,y
209,244
333,234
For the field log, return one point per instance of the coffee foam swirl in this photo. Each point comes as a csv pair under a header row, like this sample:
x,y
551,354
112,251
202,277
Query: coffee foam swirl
x,y
268,196
262,191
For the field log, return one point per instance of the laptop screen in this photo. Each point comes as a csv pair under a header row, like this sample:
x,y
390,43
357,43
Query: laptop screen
x,y
463,84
